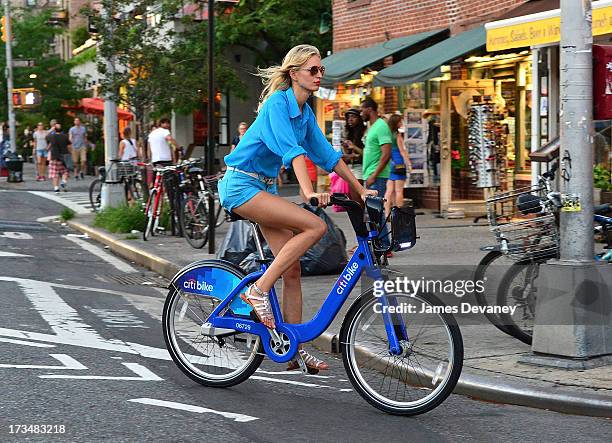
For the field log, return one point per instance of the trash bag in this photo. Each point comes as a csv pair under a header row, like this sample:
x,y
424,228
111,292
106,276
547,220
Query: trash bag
x,y
235,246
329,255
326,257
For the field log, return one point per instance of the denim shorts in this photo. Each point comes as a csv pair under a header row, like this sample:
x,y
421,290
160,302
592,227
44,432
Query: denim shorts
x,y
236,188
41,153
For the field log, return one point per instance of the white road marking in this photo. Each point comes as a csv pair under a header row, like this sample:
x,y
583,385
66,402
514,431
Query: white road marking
x,y
66,361
143,374
16,235
48,218
62,201
12,254
291,382
241,418
101,253
26,343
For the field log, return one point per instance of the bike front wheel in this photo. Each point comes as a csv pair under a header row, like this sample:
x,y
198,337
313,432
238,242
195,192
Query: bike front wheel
x,y
95,194
218,361
150,216
517,289
431,359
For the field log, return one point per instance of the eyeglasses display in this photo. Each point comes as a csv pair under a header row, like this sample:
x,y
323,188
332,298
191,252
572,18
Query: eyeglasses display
x,y
486,143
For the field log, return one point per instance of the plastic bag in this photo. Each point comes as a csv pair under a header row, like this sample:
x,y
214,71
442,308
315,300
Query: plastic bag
x,y
326,257
338,185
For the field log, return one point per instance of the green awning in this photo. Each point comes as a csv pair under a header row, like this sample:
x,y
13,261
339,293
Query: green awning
x,y
426,64
348,64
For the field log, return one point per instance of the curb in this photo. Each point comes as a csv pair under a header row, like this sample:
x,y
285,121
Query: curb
x,y
156,264
481,388
497,391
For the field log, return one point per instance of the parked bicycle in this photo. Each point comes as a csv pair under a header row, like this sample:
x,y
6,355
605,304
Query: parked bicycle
x,y
155,203
126,175
195,208
525,222
402,352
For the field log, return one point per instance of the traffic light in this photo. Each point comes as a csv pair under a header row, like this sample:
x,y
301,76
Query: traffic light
x,y
24,98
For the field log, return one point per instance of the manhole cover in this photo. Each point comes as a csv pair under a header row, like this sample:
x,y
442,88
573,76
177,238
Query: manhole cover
x,y
139,280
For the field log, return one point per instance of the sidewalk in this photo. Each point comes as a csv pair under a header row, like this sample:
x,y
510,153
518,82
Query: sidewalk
x,y
491,369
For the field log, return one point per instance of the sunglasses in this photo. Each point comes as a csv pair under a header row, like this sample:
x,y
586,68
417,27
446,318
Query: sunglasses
x,y
314,70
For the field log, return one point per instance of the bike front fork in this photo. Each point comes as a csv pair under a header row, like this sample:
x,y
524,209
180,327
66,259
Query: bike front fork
x,y
394,324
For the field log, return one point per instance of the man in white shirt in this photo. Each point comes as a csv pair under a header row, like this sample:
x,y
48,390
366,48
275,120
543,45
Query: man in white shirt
x,y
162,147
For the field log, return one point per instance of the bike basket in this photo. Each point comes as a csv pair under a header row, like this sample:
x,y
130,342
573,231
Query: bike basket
x,y
125,169
524,223
403,228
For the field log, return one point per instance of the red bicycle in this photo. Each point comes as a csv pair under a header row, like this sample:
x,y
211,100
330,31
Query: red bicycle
x,y
155,202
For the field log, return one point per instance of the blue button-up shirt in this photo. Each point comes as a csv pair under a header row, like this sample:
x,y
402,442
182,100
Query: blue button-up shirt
x,y
279,134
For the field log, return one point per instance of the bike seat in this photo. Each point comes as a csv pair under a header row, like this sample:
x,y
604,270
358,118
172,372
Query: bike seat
x,y
233,216
604,209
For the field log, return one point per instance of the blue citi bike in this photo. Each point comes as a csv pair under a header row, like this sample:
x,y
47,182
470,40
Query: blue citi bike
x,y
403,352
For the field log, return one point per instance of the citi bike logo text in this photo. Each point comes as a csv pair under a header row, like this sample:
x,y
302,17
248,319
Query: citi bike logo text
x,y
346,278
198,286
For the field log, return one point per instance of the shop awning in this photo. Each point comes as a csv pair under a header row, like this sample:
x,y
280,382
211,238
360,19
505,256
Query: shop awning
x,y
542,28
426,64
348,64
96,106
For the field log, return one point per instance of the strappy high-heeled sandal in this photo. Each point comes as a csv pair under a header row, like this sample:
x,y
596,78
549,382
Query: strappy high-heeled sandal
x,y
260,304
313,364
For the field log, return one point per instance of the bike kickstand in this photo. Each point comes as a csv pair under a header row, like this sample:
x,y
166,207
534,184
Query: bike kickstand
x,y
302,363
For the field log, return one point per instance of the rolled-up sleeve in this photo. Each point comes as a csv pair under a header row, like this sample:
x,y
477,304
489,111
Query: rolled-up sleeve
x,y
319,150
277,133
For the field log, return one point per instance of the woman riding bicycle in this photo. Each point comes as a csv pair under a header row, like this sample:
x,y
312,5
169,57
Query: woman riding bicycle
x,y
283,133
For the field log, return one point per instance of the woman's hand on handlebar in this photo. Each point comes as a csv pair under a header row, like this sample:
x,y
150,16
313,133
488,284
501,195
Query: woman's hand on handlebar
x,y
369,193
320,198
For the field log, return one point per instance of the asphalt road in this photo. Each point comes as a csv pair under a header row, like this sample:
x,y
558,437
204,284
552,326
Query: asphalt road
x,y
82,357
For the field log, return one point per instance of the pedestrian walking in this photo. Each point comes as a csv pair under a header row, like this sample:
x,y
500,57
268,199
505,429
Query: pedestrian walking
x,y
400,164
78,139
376,153
59,151
242,128
162,147
39,151
352,142
127,147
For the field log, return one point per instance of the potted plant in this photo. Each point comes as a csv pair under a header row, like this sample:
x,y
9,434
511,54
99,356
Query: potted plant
x,y
601,179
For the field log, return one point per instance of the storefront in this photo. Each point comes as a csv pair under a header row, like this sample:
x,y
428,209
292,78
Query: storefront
x,y
541,32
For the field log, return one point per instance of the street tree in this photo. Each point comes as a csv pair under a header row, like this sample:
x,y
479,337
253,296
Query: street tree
x,y
33,35
159,53
269,28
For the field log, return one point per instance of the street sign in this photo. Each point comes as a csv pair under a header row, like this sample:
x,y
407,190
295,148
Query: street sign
x,y
23,63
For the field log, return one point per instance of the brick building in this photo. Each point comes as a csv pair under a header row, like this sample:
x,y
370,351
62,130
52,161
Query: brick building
x,y
414,56
360,23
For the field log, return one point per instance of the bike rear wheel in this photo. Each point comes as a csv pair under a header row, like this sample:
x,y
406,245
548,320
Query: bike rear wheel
x,y
485,273
194,222
211,361
95,194
426,372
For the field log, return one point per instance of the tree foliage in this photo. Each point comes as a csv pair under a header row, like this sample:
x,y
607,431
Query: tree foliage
x,y
269,28
33,35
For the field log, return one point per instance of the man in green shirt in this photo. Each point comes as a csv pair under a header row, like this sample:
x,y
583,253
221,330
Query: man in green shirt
x,y
377,152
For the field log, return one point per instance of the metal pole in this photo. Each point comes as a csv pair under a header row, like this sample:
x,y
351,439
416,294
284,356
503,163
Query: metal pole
x,y
210,148
9,76
112,193
576,63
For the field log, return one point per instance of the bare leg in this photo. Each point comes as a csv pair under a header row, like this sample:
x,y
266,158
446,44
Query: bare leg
x,y
399,192
389,195
292,285
275,213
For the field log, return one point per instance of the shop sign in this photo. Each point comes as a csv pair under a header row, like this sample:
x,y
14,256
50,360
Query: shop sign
x,y
543,29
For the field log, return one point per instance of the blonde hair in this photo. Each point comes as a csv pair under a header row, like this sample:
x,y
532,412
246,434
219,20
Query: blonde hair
x,y
277,78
